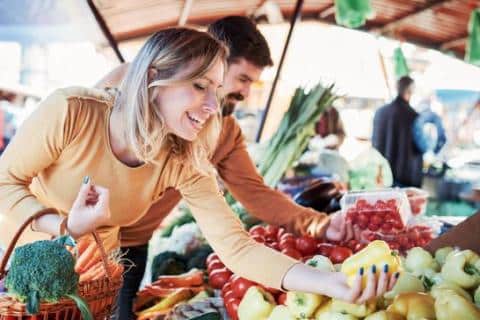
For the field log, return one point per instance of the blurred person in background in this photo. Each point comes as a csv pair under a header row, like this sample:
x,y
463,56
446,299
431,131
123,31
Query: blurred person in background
x,y
329,129
393,136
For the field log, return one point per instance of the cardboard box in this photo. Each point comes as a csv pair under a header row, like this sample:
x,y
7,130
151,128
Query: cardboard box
x,y
465,235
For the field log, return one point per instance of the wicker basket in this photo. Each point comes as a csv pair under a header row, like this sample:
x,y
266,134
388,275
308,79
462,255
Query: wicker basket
x,y
100,294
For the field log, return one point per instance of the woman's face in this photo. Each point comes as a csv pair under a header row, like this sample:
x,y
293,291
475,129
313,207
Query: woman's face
x,y
186,107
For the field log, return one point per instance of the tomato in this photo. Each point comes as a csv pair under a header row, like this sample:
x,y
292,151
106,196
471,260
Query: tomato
x,y
386,227
273,245
287,244
394,245
219,277
232,308
282,298
211,257
339,254
258,238
226,287
271,231
352,244
376,219
280,233
240,286
361,203
214,265
228,295
287,236
291,252
270,238
402,241
233,277
257,230
373,226
306,245
359,247
324,249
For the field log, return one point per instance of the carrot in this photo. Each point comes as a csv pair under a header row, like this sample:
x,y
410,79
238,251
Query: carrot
x,y
95,258
85,257
117,270
90,273
82,245
185,280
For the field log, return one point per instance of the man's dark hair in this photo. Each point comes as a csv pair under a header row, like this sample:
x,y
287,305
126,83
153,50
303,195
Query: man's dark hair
x,y
244,40
403,83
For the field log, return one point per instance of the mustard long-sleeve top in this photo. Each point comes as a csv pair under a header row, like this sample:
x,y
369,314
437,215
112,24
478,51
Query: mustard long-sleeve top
x,y
66,138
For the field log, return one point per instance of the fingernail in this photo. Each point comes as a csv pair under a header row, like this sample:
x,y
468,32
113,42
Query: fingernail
x,y
361,271
374,269
385,268
86,179
397,275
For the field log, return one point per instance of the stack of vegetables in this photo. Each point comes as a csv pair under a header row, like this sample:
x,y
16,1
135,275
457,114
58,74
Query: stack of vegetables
x,y
44,271
442,287
294,132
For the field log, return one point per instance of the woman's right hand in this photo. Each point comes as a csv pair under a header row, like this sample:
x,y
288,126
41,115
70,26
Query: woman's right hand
x,y
89,210
337,286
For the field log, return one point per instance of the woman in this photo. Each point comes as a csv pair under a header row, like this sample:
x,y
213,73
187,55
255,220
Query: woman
x,y
156,134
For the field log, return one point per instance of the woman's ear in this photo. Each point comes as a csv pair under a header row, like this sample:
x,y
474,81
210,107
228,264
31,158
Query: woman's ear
x,y
152,74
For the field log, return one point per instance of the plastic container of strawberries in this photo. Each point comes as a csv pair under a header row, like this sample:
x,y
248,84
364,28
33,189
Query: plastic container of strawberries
x,y
385,210
417,199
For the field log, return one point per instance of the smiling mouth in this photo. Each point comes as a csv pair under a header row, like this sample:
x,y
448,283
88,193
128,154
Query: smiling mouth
x,y
197,124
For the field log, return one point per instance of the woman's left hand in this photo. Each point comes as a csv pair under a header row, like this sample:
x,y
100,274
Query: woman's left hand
x,y
339,229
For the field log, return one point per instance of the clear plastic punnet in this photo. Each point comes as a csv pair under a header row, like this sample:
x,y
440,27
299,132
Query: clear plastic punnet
x,y
418,199
385,210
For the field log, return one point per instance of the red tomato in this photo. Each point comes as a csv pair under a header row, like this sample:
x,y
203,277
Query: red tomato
x,y
257,230
373,226
352,244
219,277
226,287
229,295
211,257
291,252
273,245
324,249
233,277
386,227
394,245
215,265
232,308
306,245
240,286
259,239
376,219
287,244
270,238
287,236
282,298
271,231
339,254
359,247
280,233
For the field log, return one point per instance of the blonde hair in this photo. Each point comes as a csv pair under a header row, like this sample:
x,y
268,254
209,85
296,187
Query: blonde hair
x,y
167,52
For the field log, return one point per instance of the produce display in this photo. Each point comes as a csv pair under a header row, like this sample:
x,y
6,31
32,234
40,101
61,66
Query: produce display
x,y
418,199
428,288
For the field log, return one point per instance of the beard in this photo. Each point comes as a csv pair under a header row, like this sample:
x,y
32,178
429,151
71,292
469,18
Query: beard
x,y
229,103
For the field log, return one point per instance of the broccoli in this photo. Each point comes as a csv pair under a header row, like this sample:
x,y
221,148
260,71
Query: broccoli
x,y
44,271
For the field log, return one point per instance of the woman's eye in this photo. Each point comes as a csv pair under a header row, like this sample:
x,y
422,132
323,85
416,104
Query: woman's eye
x,y
199,87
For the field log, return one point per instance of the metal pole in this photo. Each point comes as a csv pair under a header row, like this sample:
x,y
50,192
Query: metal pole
x,y
296,15
106,31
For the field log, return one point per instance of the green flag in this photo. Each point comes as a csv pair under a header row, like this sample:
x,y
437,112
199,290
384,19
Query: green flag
x,y
401,67
352,13
472,54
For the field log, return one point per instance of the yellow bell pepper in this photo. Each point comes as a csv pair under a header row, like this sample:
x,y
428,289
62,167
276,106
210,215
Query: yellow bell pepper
x,y
376,253
384,315
406,283
437,290
476,296
281,312
450,305
325,308
256,304
325,312
302,305
413,306
357,310
462,268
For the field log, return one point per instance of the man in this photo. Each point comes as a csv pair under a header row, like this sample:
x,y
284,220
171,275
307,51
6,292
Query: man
x,y
249,55
393,136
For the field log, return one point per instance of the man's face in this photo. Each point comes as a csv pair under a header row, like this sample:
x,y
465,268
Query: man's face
x,y
238,79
